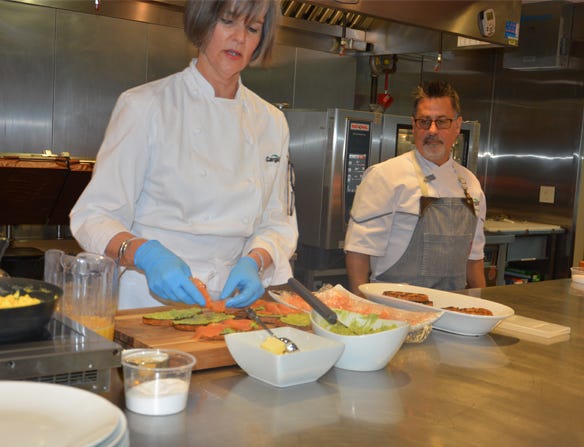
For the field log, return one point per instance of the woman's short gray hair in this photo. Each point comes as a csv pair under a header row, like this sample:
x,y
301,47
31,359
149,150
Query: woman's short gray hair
x,y
201,16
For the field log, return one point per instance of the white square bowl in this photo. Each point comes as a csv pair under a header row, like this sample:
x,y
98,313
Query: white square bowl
x,y
315,356
369,352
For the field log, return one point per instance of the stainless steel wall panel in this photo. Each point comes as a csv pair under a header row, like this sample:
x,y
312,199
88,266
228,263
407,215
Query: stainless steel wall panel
x,y
275,83
156,12
536,139
26,77
96,59
324,80
169,51
305,79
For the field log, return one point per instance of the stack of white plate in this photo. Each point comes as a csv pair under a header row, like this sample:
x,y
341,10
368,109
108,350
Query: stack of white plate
x,y
35,414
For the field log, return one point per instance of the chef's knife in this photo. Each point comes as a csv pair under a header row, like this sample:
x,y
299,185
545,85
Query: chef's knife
x,y
323,310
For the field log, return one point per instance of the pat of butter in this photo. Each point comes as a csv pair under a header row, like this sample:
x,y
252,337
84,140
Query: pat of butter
x,y
274,345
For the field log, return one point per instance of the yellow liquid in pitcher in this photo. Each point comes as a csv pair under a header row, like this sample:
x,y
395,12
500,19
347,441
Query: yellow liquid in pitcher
x,y
103,326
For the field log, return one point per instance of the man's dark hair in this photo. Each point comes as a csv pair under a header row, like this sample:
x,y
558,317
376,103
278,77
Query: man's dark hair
x,y
437,89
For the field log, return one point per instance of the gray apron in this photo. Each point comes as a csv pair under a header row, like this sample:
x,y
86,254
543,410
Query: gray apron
x,y
437,254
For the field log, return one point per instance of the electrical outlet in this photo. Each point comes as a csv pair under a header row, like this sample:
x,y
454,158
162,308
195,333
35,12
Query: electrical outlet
x,y
547,194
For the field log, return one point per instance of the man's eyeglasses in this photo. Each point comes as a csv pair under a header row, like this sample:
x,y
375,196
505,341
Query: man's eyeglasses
x,y
441,123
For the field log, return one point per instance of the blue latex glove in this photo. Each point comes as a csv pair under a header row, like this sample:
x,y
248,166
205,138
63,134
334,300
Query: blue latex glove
x,y
168,276
244,277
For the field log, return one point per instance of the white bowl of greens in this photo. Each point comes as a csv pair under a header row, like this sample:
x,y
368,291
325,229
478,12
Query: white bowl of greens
x,y
370,343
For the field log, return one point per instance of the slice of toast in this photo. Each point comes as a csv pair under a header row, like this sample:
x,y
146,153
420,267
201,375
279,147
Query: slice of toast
x,y
420,298
202,319
168,317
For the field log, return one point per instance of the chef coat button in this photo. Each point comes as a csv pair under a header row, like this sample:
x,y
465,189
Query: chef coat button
x,y
203,173
245,220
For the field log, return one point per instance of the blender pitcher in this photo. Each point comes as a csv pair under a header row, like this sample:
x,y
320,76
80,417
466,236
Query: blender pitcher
x,y
90,288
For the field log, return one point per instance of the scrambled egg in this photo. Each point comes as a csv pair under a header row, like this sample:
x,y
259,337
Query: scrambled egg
x,y
16,300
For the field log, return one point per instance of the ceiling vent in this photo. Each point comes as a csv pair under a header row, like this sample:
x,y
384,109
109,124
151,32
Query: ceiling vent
x,y
322,14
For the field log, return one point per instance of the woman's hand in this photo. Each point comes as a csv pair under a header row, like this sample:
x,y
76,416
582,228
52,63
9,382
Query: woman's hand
x,y
168,275
244,277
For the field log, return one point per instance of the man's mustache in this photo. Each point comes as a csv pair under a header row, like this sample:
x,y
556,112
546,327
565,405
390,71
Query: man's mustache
x,y
432,140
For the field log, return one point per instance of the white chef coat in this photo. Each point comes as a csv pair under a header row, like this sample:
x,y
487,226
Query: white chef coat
x,y
191,170
387,204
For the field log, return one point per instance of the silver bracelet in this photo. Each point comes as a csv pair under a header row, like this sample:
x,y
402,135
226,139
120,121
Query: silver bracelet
x,y
261,265
124,246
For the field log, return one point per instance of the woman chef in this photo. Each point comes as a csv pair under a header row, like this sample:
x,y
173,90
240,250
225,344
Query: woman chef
x,y
192,178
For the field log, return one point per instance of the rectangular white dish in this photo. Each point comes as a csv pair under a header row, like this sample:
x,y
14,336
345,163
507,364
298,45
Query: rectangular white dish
x,y
450,321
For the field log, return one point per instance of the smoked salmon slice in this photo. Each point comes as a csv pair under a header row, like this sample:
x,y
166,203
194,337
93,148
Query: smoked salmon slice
x,y
216,331
263,307
210,303
211,331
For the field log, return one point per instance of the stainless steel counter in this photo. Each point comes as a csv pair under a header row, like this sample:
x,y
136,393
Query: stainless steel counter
x,y
447,391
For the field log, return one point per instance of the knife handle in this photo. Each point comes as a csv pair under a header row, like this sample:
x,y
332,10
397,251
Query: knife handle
x,y
322,309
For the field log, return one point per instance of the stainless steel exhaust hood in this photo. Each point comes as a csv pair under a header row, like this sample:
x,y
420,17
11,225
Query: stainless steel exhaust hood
x,y
372,26
463,18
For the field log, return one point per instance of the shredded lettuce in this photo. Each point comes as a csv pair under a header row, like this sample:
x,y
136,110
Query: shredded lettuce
x,y
361,325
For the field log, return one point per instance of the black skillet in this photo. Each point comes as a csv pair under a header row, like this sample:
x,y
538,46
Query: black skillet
x,y
28,322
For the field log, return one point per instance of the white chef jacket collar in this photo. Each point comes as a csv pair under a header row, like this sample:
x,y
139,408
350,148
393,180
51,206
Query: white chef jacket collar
x,y
204,86
430,165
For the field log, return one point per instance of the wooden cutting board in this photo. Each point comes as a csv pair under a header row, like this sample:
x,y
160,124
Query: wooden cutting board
x,y
130,332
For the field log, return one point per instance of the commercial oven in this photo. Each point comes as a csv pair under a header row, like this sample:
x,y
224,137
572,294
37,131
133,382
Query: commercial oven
x,y
330,150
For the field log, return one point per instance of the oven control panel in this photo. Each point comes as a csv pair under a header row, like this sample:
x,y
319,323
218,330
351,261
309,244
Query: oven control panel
x,y
358,147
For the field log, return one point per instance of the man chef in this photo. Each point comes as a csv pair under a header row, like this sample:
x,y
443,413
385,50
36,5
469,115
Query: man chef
x,y
192,178
418,218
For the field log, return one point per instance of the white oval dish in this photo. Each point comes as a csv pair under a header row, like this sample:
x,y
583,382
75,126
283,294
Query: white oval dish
x,y
450,321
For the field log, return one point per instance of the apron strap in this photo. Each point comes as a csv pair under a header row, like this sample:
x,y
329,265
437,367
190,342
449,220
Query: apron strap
x,y
423,182
425,202
469,202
